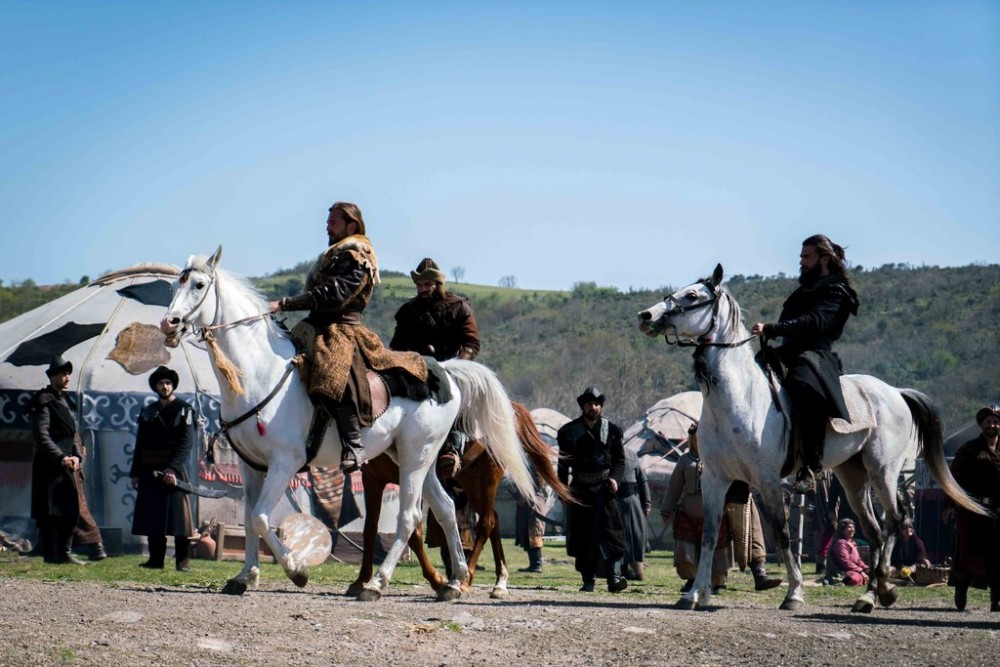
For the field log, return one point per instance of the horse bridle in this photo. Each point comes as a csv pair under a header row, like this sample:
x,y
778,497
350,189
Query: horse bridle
x,y
205,332
705,339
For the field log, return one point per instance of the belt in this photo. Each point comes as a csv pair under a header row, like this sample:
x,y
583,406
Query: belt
x,y
628,489
591,477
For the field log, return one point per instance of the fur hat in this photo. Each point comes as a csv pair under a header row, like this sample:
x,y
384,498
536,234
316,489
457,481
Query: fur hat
x,y
590,394
985,412
427,270
59,365
163,373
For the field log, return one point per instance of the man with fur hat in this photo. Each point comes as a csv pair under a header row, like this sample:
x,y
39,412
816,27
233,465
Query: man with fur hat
x,y
976,467
163,446
338,289
58,504
592,462
440,324
436,322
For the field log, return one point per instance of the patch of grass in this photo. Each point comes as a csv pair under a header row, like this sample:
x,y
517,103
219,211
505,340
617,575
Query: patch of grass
x,y
661,583
452,626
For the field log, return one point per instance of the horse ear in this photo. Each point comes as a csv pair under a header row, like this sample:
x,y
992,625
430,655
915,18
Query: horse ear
x,y
717,275
214,260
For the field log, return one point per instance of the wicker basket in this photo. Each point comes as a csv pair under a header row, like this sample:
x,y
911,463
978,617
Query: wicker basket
x,y
933,574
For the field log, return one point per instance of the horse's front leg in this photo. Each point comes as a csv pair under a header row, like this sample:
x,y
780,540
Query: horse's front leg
x,y
499,591
249,576
713,493
774,504
374,489
444,511
276,480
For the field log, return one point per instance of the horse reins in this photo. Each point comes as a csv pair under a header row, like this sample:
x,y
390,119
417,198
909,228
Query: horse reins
x,y
704,340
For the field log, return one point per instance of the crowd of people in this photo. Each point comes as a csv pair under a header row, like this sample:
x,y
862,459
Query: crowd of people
x,y
606,529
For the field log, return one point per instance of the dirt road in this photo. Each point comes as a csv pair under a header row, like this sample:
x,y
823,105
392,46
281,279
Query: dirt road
x,y
59,623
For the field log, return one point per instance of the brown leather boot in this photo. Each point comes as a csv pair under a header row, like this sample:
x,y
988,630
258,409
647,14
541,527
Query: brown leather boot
x,y
762,582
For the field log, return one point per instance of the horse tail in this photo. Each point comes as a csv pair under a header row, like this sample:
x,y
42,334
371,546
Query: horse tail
x,y
538,452
486,415
928,424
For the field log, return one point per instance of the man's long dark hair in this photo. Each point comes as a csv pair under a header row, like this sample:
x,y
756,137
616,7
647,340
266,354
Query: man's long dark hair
x,y
827,248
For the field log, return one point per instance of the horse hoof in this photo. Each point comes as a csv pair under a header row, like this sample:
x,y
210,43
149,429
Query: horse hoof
x,y
449,593
234,587
791,605
887,597
354,590
863,607
301,578
499,594
369,595
685,604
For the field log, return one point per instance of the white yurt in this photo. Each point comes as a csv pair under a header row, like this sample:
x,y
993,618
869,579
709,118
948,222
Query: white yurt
x,y
109,330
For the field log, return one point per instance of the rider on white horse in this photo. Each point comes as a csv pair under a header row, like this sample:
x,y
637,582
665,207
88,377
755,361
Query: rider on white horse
x,y
338,288
812,318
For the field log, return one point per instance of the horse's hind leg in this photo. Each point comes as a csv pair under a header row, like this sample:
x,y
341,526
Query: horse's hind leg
x,y
854,478
480,482
409,518
444,511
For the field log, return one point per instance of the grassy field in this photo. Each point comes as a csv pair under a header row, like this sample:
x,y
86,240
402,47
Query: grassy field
x,y
661,580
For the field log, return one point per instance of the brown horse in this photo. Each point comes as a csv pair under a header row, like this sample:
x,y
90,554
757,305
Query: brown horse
x,y
480,478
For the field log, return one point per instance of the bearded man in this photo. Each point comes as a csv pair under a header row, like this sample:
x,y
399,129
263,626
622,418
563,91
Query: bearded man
x,y
976,467
338,289
811,319
163,443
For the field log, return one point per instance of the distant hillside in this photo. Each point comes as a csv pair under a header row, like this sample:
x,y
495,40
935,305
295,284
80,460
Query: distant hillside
x,y
929,328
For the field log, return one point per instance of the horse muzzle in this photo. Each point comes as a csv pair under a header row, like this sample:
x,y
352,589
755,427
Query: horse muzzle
x,y
171,331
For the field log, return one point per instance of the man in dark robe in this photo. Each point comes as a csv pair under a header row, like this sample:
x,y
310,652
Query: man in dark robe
x,y
592,463
58,504
163,446
811,320
976,467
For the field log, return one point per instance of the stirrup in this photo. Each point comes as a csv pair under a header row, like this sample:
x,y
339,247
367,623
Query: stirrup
x,y
349,461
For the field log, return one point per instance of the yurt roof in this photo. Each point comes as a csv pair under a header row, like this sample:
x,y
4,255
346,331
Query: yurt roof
x,y
109,330
660,437
549,422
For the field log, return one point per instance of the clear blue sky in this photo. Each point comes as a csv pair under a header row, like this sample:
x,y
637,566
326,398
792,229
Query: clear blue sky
x,y
630,144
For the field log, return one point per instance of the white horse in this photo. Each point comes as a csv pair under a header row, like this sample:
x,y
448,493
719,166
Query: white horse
x,y
251,356
744,437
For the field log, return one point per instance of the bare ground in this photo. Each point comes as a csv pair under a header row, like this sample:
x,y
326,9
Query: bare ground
x,y
60,623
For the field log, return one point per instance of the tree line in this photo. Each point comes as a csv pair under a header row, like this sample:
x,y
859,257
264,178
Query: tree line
x,y
933,329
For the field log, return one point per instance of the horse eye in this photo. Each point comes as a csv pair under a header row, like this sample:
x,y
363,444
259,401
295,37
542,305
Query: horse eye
x,y
199,285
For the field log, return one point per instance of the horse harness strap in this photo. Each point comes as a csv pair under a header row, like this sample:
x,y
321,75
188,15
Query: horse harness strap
x,y
255,412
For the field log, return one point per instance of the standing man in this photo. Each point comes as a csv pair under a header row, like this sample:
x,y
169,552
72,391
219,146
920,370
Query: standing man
x,y
812,318
976,467
592,463
163,445
58,504
634,504
338,289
